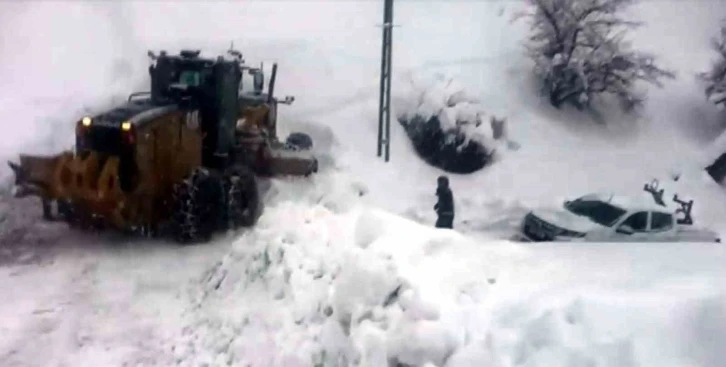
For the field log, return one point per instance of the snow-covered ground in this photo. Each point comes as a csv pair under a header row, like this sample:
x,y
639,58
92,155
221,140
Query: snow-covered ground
x,y
344,267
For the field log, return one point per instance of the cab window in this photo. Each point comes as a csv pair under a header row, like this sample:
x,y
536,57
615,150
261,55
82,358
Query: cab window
x,y
190,78
661,221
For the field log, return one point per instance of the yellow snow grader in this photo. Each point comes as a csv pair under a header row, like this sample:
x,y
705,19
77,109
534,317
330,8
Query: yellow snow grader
x,y
182,159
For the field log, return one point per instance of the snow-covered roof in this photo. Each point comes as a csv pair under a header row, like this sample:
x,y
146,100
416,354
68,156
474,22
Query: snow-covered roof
x,y
641,201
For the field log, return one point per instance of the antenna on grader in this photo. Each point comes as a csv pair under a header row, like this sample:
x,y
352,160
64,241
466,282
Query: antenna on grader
x,y
237,55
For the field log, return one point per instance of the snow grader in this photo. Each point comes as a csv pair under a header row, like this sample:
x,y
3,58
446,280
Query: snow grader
x,y
182,159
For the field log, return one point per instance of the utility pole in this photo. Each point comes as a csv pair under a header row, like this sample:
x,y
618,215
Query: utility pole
x,y
384,106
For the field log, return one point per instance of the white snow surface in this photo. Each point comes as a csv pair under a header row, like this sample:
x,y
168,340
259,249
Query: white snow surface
x,y
344,268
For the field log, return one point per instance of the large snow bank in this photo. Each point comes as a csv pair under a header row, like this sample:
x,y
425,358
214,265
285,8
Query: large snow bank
x,y
318,286
309,286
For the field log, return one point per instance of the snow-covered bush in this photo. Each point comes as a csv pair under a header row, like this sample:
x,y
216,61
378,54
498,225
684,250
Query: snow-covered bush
x,y
445,125
580,51
716,77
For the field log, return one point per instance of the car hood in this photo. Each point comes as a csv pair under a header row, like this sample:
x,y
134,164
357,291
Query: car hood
x,y
567,220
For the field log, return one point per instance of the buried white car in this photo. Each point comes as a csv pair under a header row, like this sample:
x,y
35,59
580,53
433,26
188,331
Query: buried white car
x,y
611,218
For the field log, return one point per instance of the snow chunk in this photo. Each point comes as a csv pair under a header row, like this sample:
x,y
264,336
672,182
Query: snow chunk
x,y
365,282
419,342
369,228
479,353
416,308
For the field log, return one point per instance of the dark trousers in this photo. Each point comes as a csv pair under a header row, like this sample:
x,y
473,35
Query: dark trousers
x,y
47,213
445,221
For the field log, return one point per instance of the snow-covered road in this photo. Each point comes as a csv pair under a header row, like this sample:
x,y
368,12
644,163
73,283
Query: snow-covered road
x,y
90,300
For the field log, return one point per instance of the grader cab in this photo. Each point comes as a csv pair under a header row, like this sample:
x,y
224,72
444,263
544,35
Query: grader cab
x,y
182,158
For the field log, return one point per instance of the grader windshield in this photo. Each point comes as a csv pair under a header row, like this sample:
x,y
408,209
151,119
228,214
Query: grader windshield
x,y
191,78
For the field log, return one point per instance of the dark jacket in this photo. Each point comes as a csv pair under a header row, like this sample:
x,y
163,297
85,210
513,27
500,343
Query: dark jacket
x,y
445,204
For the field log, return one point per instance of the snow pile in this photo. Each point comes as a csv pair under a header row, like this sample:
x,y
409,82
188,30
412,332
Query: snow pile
x,y
446,124
364,287
309,287
555,337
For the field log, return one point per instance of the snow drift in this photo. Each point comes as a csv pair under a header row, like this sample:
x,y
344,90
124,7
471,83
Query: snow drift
x,y
351,289
314,286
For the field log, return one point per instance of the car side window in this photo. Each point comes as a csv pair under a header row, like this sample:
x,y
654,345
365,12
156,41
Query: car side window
x,y
661,221
637,221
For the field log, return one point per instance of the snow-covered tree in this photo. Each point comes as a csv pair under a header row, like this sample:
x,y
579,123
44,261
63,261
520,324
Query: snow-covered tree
x,y
580,51
716,77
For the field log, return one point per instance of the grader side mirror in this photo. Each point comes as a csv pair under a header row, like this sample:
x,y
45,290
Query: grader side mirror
x,y
288,100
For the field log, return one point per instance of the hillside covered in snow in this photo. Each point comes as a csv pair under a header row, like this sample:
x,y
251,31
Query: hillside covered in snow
x,y
344,267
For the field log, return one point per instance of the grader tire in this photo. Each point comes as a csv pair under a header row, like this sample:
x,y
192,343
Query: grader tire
x,y
197,203
243,207
299,141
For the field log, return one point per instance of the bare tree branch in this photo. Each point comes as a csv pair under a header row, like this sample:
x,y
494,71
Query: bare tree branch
x,y
551,18
715,78
579,50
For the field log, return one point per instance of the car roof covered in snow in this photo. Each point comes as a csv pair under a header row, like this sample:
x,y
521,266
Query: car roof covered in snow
x,y
640,201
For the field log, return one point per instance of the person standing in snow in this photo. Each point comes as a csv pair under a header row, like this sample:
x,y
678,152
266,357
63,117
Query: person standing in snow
x,y
445,206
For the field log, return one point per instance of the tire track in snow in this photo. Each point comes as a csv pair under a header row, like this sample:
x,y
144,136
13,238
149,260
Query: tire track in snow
x,y
86,299
55,326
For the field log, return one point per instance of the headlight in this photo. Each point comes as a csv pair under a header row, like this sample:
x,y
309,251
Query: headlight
x,y
86,121
126,126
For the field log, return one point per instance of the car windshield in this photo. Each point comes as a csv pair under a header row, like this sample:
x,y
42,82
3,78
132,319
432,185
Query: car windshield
x,y
599,212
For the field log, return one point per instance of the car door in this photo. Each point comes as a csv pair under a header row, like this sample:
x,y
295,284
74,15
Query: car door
x,y
638,222
662,226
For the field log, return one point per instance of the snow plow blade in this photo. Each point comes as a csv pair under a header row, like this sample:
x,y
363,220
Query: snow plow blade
x,y
88,182
36,175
